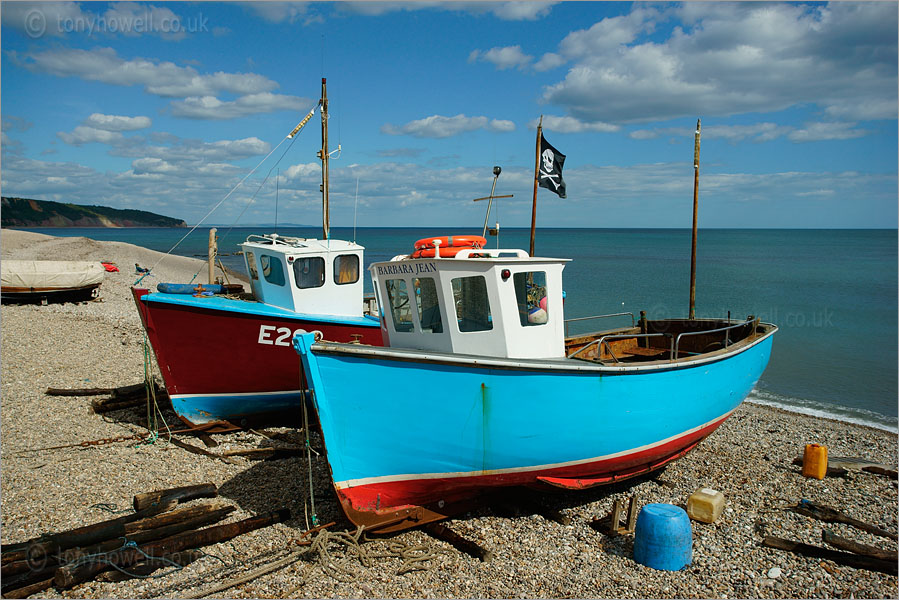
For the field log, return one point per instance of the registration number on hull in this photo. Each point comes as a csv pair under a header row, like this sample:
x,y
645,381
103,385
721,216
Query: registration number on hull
x,y
281,336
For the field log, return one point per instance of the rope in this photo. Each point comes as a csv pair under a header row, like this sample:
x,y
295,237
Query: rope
x,y
103,558
417,557
152,405
110,508
310,491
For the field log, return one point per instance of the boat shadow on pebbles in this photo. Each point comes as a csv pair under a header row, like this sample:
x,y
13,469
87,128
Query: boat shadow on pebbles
x,y
266,484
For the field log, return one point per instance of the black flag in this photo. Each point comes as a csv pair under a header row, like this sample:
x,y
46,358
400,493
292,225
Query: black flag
x,y
551,161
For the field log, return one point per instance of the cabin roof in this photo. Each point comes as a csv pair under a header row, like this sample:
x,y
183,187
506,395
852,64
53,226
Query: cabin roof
x,y
295,245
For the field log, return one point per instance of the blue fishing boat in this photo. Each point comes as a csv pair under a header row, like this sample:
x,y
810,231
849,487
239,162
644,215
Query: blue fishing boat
x,y
477,387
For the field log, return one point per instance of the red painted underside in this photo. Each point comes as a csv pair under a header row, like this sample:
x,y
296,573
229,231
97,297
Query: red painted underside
x,y
392,496
203,351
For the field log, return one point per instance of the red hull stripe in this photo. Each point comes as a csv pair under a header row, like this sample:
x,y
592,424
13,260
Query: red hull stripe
x,y
405,489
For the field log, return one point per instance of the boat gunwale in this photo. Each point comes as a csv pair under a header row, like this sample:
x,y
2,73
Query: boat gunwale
x,y
539,364
259,309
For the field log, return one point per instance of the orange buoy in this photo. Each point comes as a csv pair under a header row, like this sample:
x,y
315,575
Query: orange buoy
x,y
814,461
446,246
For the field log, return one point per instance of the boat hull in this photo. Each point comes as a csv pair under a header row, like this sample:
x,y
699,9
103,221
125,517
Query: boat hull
x,y
41,295
449,427
228,362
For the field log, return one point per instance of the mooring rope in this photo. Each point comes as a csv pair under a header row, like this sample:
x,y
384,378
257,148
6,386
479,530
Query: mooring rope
x,y
152,405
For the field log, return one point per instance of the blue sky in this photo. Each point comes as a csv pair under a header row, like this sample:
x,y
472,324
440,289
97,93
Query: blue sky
x,y
165,107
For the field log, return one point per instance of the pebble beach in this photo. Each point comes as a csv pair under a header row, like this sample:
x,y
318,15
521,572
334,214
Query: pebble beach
x,y
100,344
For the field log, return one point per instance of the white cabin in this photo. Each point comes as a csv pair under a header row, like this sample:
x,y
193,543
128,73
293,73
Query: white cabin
x,y
499,303
305,275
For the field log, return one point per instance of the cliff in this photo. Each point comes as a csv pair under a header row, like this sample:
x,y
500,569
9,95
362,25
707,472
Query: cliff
x,y
23,212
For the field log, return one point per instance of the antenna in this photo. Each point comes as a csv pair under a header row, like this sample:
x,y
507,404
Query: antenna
x,y
277,177
496,171
355,204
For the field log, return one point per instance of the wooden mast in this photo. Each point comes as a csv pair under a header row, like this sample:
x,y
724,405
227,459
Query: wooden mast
x,y
536,180
695,212
323,154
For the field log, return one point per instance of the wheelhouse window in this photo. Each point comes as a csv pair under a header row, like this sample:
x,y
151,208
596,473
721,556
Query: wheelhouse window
x,y
530,292
346,269
251,265
428,305
309,272
472,305
398,297
272,269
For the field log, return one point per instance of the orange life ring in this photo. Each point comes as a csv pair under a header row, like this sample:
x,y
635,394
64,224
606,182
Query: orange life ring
x,y
449,245
444,252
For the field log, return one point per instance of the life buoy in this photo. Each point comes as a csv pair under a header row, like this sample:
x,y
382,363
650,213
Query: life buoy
x,y
449,245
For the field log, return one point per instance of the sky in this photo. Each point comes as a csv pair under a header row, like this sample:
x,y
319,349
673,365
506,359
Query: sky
x,y
183,109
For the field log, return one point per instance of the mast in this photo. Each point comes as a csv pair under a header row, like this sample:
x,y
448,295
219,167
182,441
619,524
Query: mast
x,y
695,212
323,154
536,180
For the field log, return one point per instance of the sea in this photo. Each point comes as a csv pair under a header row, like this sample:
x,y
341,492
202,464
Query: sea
x,y
832,293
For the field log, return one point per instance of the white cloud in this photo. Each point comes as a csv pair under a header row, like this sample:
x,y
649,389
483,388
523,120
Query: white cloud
x,y
571,125
598,196
164,79
521,11
437,126
759,132
37,19
814,132
508,11
549,61
508,57
117,123
731,58
279,12
210,107
86,135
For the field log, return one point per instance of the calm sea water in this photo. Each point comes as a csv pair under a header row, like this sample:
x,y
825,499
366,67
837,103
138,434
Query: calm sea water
x,y
833,293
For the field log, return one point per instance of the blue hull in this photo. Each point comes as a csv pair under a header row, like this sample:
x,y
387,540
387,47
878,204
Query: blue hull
x,y
411,428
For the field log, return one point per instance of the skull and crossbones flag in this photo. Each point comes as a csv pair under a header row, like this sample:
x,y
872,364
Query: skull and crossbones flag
x,y
550,168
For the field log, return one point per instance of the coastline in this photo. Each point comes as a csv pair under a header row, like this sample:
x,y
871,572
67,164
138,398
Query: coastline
x,y
100,344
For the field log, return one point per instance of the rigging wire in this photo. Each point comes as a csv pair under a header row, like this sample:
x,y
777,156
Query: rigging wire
x,y
291,136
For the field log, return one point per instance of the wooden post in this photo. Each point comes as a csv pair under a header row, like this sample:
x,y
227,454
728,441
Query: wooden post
x,y
536,181
212,252
326,217
695,212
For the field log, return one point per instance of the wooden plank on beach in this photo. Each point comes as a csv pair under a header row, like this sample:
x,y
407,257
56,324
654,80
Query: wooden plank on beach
x,y
829,537
71,575
844,558
80,536
855,464
832,515
180,494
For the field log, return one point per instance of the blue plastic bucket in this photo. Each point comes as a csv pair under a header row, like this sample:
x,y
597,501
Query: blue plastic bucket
x,y
663,538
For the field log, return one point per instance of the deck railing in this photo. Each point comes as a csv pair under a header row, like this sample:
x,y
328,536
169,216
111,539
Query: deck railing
x,y
675,341
719,330
604,340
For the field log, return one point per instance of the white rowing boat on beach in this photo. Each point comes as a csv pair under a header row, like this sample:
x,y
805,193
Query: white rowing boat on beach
x,y
50,280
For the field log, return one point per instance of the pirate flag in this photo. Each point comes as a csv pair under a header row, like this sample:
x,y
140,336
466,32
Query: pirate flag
x,y
550,168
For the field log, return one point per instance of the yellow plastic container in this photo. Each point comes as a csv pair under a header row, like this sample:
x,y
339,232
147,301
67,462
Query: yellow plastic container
x,y
706,505
814,461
